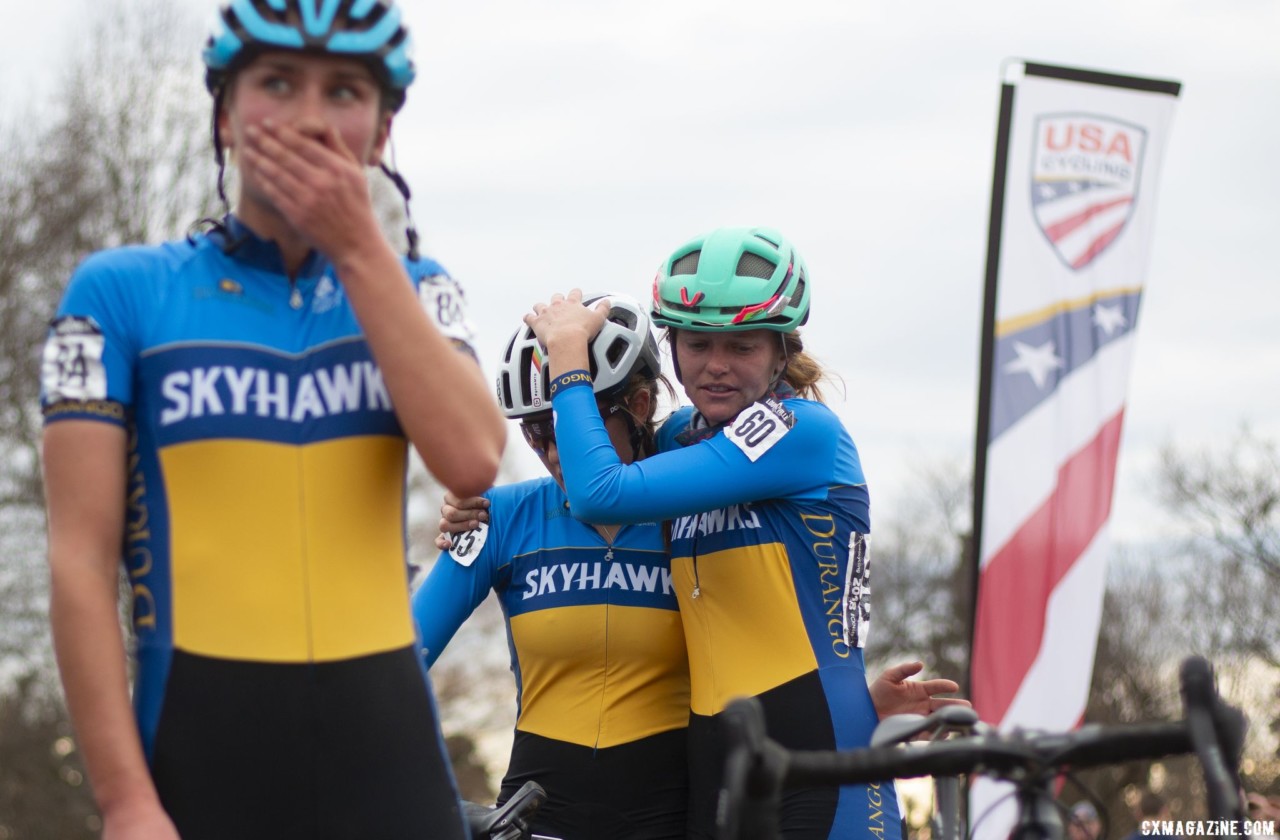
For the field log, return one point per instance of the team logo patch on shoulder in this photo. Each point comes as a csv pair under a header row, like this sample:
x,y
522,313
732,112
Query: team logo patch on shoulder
x,y
759,426
71,367
466,546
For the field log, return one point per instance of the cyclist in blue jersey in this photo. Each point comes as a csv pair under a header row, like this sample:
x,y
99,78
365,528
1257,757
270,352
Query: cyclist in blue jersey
x,y
767,509
592,623
230,415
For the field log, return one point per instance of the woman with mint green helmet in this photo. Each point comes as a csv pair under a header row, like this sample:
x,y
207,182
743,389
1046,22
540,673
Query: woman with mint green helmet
x,y
768,515
733,279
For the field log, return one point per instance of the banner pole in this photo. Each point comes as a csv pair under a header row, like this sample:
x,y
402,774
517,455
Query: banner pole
x,y
986,352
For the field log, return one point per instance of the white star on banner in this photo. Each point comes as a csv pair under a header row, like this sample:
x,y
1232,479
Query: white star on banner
x,y
1109,318
1034,361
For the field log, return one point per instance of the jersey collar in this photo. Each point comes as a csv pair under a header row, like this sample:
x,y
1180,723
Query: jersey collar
x,y
240,243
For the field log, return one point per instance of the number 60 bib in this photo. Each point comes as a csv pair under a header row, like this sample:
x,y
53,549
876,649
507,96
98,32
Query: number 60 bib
x,y
759,426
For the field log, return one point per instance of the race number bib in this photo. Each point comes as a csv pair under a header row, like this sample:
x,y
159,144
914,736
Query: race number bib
x,y
71,367
466,546
759,426
857,593
445,303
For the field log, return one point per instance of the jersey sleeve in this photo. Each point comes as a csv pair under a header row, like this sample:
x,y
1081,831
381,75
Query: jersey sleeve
x,y
758,456
463,576
87,364
672,426
445,303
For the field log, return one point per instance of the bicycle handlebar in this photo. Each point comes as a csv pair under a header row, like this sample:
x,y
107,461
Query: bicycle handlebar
x,y
757,769
898,729
993,754
507,821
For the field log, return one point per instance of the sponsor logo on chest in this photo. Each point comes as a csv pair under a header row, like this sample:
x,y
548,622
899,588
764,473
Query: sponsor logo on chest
x,y
262,392
731,518
590,576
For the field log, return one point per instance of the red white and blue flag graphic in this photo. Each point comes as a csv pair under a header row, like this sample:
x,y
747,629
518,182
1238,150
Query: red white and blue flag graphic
x,y
1084,179
1072,221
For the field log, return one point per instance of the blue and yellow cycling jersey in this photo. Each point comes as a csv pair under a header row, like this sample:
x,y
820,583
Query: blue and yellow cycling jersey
x,y
598,654
768,521
265,533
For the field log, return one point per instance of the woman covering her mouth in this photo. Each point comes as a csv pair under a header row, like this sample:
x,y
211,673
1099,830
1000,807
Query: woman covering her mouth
x,y
235,409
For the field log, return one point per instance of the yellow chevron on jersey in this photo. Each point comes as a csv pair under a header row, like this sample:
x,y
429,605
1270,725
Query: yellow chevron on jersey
x,y
743,636
596,639
265,519
581,695
234,598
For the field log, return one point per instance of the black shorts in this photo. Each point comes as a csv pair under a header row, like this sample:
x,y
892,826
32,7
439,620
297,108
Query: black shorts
x,y
347,749
797,717
635,791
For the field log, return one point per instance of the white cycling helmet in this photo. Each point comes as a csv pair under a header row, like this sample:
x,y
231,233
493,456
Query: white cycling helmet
x,y
624,345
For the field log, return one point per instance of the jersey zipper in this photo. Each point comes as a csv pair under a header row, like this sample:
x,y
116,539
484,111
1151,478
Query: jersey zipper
x,y
608,606
697,584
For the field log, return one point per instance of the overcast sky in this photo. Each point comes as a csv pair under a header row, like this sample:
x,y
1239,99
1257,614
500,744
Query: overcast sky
x,y
554,144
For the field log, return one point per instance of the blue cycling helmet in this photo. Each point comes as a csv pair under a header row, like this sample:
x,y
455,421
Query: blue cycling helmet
x,y
370,30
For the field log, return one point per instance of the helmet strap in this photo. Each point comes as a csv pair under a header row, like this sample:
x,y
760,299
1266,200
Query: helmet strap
x,y
782,342
411,230
675,357
219,154
638,434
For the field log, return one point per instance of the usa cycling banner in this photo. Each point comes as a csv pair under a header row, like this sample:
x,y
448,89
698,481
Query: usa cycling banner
x,y
1073,210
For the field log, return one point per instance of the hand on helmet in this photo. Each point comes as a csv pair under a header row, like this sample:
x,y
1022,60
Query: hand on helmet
x,y
565,322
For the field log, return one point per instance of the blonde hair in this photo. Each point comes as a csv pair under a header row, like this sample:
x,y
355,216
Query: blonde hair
x,y
803,372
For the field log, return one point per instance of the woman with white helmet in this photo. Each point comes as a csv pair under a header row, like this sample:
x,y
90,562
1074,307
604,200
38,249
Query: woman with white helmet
x,y
592,623
767,510
235,409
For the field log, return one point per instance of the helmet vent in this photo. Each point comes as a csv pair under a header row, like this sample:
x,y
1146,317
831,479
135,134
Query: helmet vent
x,y
763,238
754,265
504,390
622,317
688,264
271,13
526,361
616,351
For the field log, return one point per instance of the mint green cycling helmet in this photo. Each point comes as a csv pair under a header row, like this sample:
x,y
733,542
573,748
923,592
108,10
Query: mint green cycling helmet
x,y
733,279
